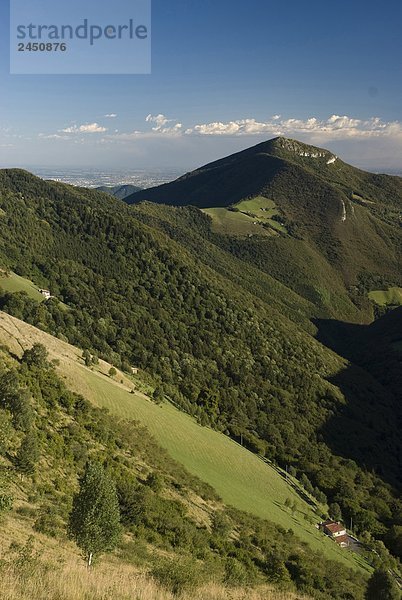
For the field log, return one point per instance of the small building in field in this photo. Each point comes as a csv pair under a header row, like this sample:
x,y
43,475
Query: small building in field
x,y
336,531
46,294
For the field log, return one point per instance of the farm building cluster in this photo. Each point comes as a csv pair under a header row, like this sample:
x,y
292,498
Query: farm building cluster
x,y
336,531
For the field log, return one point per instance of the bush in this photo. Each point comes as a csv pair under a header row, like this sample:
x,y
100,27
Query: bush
x,y
36,356
155,482
135,552
6,503
28,454
382,586
26,511
24,557
235,573
275,570
178,576
6,432
221,525
49,522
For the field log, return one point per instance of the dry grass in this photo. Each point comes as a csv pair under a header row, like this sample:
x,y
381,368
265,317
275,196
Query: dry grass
x,y
72,581
56,572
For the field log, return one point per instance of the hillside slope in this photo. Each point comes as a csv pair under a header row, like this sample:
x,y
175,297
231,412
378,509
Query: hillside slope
x,y
239,477
175,527
340,221
376,347
228,344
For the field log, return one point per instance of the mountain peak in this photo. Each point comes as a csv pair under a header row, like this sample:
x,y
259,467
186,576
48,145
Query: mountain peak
x,y
271,168
293,147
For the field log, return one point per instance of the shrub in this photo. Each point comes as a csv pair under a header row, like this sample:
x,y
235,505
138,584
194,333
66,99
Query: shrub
x,y
235,573
155,482
6,432
178,576
49,522
6,502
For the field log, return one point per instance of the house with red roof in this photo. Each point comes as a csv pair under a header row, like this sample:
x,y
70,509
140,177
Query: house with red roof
x,y
336,531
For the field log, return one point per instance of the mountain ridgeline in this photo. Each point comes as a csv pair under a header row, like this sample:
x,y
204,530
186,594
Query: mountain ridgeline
x,y
119,191
240,327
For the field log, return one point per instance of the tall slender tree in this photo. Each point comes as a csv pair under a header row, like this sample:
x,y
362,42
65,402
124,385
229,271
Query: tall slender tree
x,y
28,454
94,521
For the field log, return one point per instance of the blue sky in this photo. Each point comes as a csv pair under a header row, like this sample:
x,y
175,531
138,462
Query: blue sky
x,y
225,75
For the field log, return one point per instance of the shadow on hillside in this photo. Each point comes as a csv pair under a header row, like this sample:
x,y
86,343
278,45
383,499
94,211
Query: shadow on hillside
x,y
367,428
338,335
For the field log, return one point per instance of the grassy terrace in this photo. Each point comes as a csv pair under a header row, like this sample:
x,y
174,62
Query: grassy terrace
x,y
392,296
14,283
251,217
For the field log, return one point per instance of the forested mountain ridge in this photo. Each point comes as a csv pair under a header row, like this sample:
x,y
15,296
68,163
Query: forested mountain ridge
x,y
376,347
236,359
119,191
329,231
271,158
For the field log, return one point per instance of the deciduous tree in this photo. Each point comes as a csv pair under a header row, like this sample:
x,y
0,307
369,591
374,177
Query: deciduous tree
x,y
95,517
382,586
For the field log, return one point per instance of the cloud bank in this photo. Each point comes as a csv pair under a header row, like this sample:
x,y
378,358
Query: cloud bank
x,y
367,142
335,127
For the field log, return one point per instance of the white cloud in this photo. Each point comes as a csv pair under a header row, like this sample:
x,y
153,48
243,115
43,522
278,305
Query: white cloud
x,y
241,127
335,127
110,116
160,122
87,128
53,136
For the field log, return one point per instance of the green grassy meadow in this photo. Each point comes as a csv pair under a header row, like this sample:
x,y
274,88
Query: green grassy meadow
x,y
240,477
392,296
257,205
14,283
234,223
249,218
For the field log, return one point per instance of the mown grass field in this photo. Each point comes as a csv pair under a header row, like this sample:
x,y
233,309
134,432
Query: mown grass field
x,y
234,223
15,283
392,296
248,219
258,204
240,477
